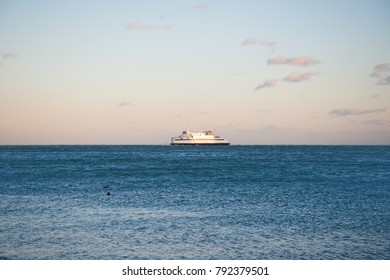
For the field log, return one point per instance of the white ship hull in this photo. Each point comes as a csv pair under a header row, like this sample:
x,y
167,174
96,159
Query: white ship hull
x,y
180,142
194,139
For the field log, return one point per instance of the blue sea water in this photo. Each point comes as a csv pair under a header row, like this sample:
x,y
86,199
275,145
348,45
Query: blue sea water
x,y
235,202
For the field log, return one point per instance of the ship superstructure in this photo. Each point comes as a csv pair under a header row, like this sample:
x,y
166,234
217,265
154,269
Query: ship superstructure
x,y
198,138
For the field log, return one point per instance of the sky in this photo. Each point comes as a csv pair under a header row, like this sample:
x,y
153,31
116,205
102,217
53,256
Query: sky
x,y
140,72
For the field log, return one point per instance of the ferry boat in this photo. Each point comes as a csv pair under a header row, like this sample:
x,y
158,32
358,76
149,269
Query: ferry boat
x,y
203,138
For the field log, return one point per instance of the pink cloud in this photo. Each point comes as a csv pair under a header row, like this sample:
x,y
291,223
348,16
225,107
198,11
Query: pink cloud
x,y
295,61
134,25
201,6
382,72
271,46
278,60
297,77
303,60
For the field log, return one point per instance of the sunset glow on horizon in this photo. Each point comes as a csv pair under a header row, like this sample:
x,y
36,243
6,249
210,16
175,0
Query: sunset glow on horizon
x,y
140,72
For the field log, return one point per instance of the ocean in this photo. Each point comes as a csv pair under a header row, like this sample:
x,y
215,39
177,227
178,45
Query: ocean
x,y
164,202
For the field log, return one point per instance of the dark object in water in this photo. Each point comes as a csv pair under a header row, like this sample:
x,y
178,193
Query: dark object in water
x,y
108,193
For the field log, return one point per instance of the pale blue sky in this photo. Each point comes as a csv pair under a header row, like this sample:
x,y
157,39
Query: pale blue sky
x,y
139,72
